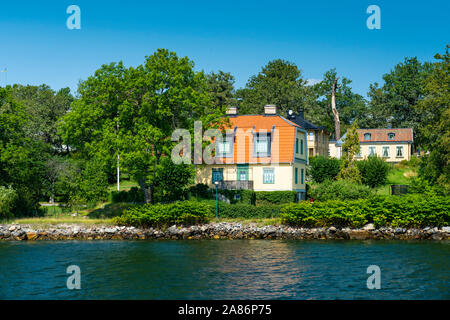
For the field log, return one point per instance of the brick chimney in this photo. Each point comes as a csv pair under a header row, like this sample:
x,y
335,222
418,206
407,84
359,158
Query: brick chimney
x,y
270,109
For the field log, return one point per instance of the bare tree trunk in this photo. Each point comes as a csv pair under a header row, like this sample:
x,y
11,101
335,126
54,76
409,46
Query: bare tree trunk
x,y
337,123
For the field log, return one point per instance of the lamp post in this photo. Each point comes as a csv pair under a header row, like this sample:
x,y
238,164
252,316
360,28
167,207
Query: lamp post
x,y
217,199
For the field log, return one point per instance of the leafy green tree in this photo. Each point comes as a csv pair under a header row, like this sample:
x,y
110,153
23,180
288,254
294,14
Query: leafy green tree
x,y
174,179
220,86
351,147
323,168
394,103
374,171
21,158
434,126
133,112
351,106
279,82
44,107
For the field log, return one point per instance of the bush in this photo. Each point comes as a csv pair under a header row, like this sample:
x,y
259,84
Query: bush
x,y
274,197
248,211
396,211
339,190
374,171
323,168
8,197
238,196
200,190
134,195
182,212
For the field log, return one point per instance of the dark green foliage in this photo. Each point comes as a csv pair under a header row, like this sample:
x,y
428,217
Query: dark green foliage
x,y
323,168
239,196
183,212
173,180
200,191
274,197
339,190
374,171
396,211
8,197
134,195
248,211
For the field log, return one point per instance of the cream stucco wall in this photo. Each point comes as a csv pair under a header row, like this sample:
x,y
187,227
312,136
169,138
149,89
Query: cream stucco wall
x,y
284,175
334,152
392,151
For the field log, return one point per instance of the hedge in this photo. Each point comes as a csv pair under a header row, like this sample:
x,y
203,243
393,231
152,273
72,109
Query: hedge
x,y
134,195
248,211
183,212
340,190
275,197
396,211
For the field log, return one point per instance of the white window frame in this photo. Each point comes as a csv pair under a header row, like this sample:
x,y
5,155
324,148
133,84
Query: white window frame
x,y
397,149
268,172
388,151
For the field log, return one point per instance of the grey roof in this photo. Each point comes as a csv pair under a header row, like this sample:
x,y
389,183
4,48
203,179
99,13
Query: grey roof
x,y
305,123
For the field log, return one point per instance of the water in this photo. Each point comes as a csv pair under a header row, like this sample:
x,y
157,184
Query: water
x,y
225,269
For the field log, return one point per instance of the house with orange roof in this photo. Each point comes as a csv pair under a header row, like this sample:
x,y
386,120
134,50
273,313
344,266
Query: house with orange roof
x,y
393,145
259,152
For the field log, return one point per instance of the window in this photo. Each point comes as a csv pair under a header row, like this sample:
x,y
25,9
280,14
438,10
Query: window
x,y
385,152
358,155
261,145
296,145
301,146
367,136
391,136
224,148
296,175
372,151
268,175
217,174
400,152
302,178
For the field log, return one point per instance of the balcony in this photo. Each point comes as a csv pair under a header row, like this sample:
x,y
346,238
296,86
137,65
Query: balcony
x,y
235,185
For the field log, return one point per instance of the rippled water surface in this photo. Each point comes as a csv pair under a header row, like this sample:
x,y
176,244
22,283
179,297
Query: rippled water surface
x,y
225,269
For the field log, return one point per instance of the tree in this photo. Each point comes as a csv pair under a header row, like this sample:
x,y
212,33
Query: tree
x,y
350,106
394,103
374,171
174,179
351,147
323,168
221,88
150,102
44,107
279,82
21,158
434,126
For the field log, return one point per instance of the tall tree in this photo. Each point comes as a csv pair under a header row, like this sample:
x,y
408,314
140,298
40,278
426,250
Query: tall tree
x,y
220,86
350,106
434,125
150,102
279,82
402,90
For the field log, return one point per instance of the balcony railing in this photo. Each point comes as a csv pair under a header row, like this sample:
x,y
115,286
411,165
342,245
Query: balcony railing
x,y
235,185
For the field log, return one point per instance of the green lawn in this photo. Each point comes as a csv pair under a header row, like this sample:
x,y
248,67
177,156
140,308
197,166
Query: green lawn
x,y
397,176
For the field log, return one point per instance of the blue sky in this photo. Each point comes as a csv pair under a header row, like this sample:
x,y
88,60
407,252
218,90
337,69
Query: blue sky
x,y
234,36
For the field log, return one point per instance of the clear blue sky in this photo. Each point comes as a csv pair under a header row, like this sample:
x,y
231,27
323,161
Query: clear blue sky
x,y
234,36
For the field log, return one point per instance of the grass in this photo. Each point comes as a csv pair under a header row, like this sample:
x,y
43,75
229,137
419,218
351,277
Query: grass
x,y
45,221
125,185
398,175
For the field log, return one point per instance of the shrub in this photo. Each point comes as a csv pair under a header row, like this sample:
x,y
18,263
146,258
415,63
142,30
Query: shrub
x,y
200,190
248,211
239,196
274,197
323,168
374,171
134,195
8,197
182,212
396,211
339,190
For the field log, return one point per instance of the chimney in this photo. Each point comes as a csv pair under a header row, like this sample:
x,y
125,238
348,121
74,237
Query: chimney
x,y
232,110
270,109
301,114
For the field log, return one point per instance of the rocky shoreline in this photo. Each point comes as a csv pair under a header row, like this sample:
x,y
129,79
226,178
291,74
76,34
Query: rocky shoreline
x,y
222,230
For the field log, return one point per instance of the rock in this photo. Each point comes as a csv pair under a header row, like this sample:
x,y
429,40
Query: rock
x,y
31,236
369,227
332,229
12,228
445,229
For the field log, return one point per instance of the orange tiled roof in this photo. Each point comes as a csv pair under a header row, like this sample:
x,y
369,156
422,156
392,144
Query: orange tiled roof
x,y
283,142
381,135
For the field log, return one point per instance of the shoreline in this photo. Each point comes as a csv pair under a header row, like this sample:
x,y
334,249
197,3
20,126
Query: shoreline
x,y
220,230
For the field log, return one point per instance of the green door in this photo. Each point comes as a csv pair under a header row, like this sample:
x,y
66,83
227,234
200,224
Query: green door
x,y
242,172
